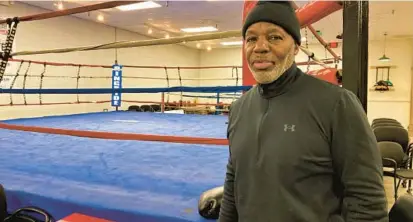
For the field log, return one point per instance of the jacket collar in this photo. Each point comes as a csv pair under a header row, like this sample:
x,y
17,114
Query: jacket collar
x,y
281,85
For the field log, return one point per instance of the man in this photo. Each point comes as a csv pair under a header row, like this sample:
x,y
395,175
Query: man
x,y
301,149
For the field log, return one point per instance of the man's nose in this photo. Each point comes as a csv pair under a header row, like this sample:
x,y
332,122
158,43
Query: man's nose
x,y
261,46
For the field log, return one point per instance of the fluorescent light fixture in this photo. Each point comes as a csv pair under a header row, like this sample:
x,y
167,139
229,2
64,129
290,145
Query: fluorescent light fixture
x,y
139,6
200,29
231,43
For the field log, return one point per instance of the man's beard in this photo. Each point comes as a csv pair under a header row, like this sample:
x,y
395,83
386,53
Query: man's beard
x,y
265,77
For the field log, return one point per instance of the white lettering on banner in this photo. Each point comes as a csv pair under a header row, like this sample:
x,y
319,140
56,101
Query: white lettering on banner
x,y
116,84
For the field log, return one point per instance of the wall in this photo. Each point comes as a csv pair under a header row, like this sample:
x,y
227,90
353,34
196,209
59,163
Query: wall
x,y
68,31
394,104
230,76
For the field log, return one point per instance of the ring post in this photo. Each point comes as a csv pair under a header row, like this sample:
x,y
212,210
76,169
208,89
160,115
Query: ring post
x,y
116,85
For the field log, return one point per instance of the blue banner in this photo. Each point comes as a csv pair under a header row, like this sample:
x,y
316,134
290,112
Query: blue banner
x,y
116,85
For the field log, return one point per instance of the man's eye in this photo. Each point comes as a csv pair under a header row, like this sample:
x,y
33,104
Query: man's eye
x,y
275,37
251,39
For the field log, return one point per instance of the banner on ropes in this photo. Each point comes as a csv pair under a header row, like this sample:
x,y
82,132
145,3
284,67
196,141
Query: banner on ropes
x,y
11,67
116,85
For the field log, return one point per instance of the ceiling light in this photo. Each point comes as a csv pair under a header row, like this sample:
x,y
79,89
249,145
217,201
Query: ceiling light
x,y
209,48
167,35
59,5
101,18
198,45
232,43
200,29
139,6
149,31
384,58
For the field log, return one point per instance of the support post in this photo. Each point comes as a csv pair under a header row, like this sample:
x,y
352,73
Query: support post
x,y
355,48
410,127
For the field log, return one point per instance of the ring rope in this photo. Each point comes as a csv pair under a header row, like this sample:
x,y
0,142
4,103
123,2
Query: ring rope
x,y
125,77
117,136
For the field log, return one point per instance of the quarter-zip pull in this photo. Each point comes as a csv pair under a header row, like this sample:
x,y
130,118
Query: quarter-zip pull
x,y
262,119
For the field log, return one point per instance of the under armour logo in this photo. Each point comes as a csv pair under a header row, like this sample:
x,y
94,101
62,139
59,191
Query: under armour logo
x,y
289,127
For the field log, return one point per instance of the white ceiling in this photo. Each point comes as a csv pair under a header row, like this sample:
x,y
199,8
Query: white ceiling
x,y
394,17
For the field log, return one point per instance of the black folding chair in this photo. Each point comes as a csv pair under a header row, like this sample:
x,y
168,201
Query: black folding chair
x,y
385,120
402,210
394,157
134,108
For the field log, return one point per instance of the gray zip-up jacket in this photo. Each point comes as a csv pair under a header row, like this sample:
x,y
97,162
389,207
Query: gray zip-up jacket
x,y
302,150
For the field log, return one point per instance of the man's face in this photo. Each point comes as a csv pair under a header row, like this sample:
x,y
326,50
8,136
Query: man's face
x,y
270,50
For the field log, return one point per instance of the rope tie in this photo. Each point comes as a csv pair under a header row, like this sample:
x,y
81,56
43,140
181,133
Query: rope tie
x,y
24,82
14,81
77,82
236,80
167,83
180,84
41,82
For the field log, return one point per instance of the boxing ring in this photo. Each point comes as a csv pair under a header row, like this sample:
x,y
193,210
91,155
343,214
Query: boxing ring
x,y
119,180
122,165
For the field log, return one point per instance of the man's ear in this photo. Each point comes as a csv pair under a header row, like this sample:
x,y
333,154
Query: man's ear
x,y
296,48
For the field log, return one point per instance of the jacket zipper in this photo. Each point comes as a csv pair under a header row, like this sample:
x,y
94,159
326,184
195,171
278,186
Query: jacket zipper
x,y
263,116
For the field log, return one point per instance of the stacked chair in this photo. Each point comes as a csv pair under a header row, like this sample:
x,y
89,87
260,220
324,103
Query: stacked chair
x,y
145,108
396,151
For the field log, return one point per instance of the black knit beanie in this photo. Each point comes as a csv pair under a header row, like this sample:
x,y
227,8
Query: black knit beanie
x,y
280,13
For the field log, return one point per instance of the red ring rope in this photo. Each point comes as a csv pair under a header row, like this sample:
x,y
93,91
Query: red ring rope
x,y
117,136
